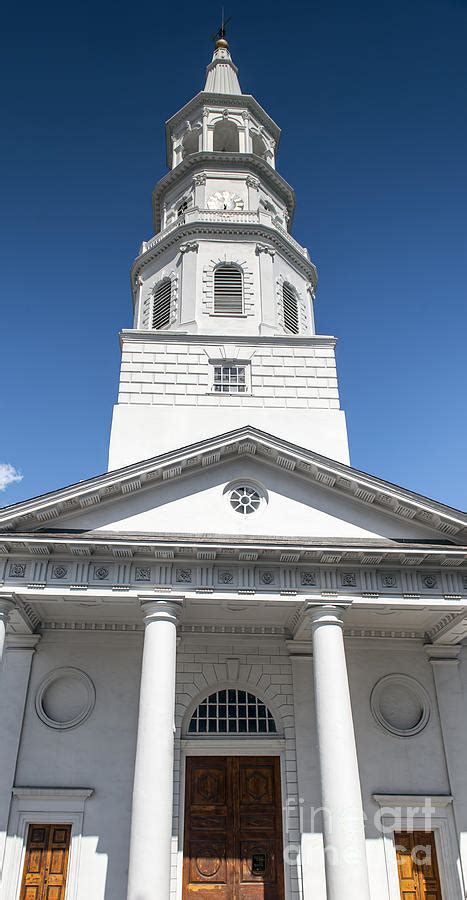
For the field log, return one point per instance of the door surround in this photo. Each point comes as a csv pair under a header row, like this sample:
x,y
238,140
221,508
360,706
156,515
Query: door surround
x,y
236,746
30,806
394,818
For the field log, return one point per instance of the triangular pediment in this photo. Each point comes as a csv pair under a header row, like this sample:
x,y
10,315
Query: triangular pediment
x,y
186,492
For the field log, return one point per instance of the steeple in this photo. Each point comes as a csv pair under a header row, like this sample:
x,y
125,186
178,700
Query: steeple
x,y
223,333
221,73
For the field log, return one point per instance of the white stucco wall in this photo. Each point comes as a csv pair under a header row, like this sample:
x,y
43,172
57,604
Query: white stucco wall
x,y
98,754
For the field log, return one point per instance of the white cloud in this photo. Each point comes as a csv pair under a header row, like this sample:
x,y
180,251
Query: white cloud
x,y
8,474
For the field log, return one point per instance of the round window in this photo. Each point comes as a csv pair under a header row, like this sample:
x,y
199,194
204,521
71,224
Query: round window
x,y
245,499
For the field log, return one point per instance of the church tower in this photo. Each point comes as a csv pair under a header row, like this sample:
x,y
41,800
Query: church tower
x,y
223,333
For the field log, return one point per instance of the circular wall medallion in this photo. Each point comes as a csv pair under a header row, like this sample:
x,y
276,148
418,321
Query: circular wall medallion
x,y
400,704
65,698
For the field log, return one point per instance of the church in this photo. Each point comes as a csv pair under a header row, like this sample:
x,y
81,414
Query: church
x,y
233,665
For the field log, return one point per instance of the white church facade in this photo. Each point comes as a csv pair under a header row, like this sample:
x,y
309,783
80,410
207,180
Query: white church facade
x,y
233,666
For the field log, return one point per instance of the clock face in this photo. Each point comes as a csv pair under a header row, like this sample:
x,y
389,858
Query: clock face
x,y
224,200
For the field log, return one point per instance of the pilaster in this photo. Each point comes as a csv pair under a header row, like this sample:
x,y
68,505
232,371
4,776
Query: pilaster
x,y
19,651
450,693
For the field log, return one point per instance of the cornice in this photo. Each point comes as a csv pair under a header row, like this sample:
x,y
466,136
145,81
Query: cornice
x,y
51,793
208,160
193,231
133,335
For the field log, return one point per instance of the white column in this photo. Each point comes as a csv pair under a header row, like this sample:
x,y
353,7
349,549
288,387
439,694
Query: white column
x,y
344,834
7,603
151,817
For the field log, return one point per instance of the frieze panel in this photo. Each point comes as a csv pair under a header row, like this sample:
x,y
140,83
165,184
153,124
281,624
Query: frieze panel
x,y
183,576
143,573
244,575
226,577
308,579
267,577
348,579
388,580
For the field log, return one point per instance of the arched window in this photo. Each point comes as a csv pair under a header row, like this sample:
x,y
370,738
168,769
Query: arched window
x,y
290,308
182,208
225,137
258,145
228,290
232,712
191,142
161,304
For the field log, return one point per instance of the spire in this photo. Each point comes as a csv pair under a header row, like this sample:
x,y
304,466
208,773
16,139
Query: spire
x,y
221,73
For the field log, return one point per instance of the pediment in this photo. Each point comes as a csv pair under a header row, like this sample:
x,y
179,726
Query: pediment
x,y
186,492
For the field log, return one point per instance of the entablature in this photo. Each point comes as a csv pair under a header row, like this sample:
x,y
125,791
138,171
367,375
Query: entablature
x,y
109,562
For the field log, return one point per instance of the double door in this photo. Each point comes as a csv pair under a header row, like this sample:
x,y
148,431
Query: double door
x,y
417,865
233,829
46,862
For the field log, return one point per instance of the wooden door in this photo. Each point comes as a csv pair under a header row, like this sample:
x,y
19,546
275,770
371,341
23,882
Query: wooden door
x,y
233,829
417,866
46,863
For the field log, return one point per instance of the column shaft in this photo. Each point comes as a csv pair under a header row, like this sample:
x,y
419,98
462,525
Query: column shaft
x,y
151,818
344,834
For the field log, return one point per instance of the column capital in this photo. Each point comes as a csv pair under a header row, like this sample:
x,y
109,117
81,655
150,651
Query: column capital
x,y
447,654
7,604
326,614
157,608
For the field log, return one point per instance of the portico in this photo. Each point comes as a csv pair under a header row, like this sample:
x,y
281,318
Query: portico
x,y
151,822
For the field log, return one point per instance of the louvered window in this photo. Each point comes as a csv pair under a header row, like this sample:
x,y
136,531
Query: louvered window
x,y
161,304
290,304
228,291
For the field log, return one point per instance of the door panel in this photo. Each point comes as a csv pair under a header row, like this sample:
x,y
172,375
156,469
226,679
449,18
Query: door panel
x,y
46,862
233,829
417,866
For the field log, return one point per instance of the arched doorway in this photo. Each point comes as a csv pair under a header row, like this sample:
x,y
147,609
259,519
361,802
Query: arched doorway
x,y
233,843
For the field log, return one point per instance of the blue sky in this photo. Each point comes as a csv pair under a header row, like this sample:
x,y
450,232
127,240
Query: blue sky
x,y
371,100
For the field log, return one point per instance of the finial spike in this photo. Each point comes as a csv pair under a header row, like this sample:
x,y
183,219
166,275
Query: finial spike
x,y
219,37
